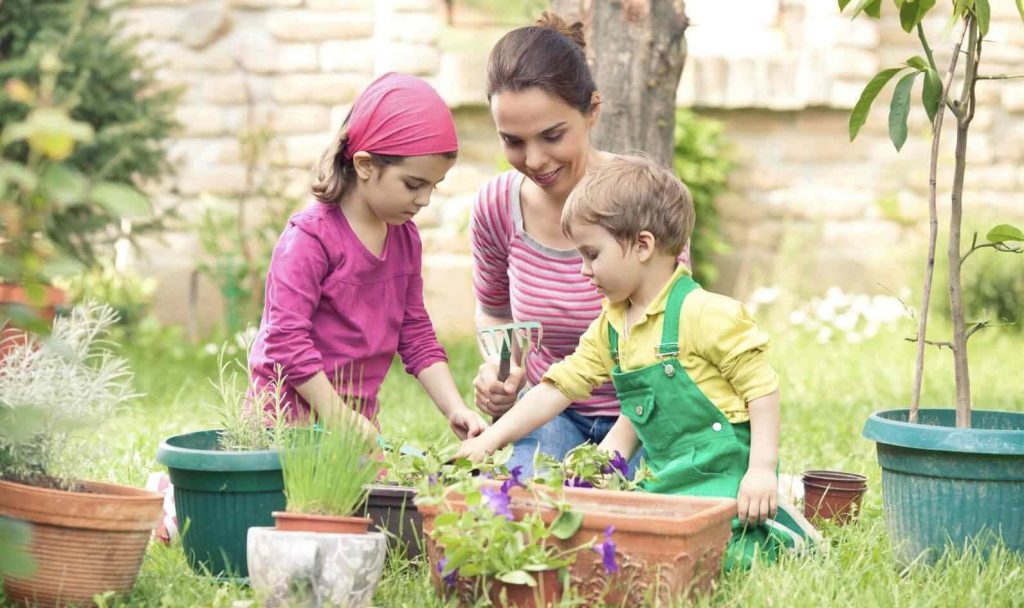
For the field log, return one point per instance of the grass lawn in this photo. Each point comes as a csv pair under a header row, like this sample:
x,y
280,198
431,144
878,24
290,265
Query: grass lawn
x,y
828,390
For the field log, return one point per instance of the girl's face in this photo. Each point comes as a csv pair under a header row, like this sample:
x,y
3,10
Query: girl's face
x,y
544,138
396,193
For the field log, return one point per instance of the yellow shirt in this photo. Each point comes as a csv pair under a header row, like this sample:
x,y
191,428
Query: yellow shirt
x,y
720,347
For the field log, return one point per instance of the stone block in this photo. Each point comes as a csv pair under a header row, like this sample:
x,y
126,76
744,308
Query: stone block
x,y
304,151
161,2
317,88
348,56
416,59
221,180
160,23
292,120
314,26
263,4
414,28
202,120
226,90
994,177
414,5
1013,95
203,25
342,5
818,201
448,292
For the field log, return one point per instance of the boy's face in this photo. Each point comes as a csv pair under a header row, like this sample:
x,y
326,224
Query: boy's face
x,y
615,272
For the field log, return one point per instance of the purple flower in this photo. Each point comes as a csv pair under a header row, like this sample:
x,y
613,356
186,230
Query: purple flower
x,y
607,551
432,479
577,482
618,462
514,480
498,501
449,579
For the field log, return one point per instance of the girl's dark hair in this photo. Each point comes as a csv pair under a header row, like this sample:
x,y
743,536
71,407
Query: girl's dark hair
x,y
548,56
335,174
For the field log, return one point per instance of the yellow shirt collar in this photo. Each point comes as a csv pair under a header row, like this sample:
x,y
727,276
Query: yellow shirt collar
x,y
616,311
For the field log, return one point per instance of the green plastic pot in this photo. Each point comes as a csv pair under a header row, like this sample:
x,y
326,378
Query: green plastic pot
x,y
945,486
218,496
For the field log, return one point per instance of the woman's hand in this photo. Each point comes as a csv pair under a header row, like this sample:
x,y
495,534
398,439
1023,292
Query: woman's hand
x,y
758,497
494,397
466,423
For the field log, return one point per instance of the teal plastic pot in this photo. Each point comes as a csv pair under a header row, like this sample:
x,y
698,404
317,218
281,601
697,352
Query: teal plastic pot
x,y
218,496
942,485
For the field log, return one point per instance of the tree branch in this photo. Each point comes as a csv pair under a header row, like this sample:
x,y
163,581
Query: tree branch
x,y
1001,77
936,343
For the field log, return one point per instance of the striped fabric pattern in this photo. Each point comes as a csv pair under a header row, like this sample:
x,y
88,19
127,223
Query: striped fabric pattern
x,y
516,277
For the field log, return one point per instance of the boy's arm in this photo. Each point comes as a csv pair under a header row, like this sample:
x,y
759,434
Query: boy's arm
x,y
438,382
540,404
621,438
758,495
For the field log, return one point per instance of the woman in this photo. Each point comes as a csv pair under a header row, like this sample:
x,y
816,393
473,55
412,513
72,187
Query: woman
x,y
544,104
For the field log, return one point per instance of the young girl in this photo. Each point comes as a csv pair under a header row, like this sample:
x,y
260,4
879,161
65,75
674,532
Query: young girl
x,y
344,290
689,367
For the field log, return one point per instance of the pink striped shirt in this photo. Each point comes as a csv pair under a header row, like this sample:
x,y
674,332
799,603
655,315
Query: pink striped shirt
x,y
515,276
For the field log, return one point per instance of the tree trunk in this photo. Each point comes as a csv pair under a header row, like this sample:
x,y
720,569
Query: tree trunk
x,y
636,51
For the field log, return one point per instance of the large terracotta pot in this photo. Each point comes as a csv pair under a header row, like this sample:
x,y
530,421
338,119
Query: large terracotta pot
x,y
85,542
666,546
331,524
469,590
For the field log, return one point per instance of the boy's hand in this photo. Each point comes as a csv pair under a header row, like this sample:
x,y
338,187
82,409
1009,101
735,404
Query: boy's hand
x,y
466,423
758,497
493,397
475,449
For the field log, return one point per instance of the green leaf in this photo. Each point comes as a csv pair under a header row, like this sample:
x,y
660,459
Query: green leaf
x,y
843,3
1020,9
63,184
566,524
1005,232
859,115
899,109
913,11
873,8
931,93
18,174
984,13
62,266
446,519
518,577
121,200
918,62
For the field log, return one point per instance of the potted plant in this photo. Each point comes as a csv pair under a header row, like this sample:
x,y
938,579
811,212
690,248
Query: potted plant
x,y
228,480
87,537
319,554
664,547
481,551
948,475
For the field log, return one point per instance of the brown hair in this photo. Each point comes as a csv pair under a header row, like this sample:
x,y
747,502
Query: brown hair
x,y
629,194
548,56
335,174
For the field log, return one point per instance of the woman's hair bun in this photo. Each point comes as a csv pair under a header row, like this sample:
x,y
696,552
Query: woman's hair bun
x,y
552,21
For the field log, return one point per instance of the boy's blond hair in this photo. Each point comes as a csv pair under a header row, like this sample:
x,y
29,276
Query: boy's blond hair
x,y
629,194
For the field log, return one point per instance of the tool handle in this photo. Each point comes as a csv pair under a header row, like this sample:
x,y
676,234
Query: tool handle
x,y
504,366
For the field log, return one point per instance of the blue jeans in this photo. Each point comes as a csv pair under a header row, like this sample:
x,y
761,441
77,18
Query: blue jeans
x,y
561,434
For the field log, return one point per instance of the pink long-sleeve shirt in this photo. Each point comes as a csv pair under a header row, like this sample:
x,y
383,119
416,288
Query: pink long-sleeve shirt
x,y
334,306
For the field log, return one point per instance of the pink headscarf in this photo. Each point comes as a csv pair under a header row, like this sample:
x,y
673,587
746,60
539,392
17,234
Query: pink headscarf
x,y
400,115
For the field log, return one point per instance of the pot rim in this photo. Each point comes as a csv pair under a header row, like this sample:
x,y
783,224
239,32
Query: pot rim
x,y
890,427
836,489
109,507
196,459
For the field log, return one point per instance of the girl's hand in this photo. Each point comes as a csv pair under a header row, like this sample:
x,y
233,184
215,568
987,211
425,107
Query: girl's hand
x,y
475,449
466,423
493,397
758,497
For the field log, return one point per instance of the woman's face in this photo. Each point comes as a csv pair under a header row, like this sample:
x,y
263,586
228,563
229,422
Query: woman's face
x,y
544,138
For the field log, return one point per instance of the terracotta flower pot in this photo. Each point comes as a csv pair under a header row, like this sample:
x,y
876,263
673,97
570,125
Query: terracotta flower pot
x,y
548,592
666,546
308,522
833,495
14,295
85,542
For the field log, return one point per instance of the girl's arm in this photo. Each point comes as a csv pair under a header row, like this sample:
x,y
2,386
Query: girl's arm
x,y
329,405
758,495
621,438
542,403
438,382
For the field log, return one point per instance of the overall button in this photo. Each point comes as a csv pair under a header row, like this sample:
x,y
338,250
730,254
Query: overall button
x,y
639,410
716,427
669,370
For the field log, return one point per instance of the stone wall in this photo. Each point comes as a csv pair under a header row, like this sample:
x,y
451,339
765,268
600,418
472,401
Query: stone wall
x,y
805,204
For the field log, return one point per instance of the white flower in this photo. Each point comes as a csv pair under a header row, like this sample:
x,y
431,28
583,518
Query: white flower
x,y
211,349
824,334
854,338
764,295
798,317
846,321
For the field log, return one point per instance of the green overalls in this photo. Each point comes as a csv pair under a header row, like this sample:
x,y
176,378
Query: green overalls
x,y
691,447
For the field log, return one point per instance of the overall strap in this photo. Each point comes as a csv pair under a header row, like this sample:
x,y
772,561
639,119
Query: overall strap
x,y
613,343
673,310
